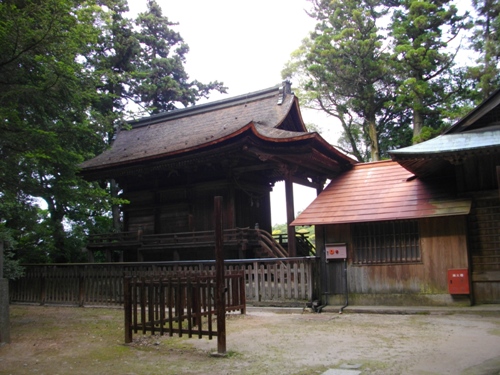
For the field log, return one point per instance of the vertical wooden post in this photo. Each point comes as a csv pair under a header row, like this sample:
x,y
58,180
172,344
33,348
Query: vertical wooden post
x,y
498,177
81,285
127,302
290,214
43,286
4,304
1,259
219,278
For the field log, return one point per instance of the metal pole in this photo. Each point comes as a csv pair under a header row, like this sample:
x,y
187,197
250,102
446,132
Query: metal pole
x,y
219,278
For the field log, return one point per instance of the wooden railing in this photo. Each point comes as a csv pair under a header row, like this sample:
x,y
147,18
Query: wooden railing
x,y
242,237
303,245
267,281
180,304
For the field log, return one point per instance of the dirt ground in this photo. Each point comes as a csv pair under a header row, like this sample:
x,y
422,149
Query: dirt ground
x,y
67,340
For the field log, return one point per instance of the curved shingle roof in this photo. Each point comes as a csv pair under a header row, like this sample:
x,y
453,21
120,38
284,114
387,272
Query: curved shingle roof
x,y
195,127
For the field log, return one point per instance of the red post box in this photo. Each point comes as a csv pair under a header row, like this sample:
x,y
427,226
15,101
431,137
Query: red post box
x,y
458,281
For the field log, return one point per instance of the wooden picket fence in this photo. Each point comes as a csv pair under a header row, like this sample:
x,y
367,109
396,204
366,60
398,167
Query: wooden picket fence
x,y
181,304
284,280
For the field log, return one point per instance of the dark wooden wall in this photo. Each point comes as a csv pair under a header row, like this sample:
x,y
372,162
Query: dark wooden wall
x,y
190,208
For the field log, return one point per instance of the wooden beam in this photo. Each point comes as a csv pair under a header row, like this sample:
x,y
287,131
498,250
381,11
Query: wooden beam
x,y
305,182
254,168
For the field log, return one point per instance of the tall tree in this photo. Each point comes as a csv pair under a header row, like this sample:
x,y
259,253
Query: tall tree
x,y
44,101
348,70
161,82
67,71
422,31
485,41
114,61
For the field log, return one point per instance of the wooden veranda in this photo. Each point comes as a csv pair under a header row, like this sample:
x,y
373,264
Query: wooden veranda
x,y
239,243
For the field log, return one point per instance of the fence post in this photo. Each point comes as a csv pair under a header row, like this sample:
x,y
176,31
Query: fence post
x,y
4,304
256,292
219,277
127,306
43,291
81,286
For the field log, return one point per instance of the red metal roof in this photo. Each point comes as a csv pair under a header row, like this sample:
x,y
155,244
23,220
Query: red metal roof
x,y
381,191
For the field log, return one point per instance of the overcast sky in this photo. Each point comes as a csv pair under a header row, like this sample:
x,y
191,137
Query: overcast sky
x,y
245,45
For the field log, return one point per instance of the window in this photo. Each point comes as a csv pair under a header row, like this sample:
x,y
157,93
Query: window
x,y
386,242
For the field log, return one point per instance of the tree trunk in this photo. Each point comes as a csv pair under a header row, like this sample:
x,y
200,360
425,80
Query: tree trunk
x,y
418,122
58,233
372,133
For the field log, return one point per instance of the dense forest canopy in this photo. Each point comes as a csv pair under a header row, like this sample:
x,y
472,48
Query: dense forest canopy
x,y
72,71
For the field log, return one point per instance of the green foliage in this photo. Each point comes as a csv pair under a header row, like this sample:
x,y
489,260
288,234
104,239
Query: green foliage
x,y
485,42
12,268
306,230
345,68
160,82
68,70
421,31
427,133
386,68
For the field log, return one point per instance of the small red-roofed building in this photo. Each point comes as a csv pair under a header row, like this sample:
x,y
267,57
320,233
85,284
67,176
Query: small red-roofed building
x,y
420,229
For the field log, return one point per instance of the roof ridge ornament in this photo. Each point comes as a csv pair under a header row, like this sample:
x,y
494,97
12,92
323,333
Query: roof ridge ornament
x,y
284,90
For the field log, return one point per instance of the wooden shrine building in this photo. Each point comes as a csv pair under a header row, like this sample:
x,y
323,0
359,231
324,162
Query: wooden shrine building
x,y
170,166
422,228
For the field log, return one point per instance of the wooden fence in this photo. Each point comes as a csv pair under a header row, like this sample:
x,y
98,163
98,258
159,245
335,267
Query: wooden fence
x,y
268,281
180,304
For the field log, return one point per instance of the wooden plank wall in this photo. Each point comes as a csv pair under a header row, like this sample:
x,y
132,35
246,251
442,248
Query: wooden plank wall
x,y
484,238
182,209
443,246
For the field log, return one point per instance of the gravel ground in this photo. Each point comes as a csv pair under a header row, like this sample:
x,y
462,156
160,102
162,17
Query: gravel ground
x,y
65,340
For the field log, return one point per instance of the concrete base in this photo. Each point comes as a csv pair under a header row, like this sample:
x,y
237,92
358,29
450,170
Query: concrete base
x,y
403,299
4,312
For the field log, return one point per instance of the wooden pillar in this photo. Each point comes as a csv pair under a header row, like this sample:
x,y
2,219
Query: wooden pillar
x,y
115,209
220,297
231,210
1,259
320,186
157,213
4,302
290,214
498,177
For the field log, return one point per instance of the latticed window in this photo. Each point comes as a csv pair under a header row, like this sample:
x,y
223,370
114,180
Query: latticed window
x,y
386,242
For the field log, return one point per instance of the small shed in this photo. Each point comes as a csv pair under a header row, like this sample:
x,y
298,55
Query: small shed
x,y
170,167
423,228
